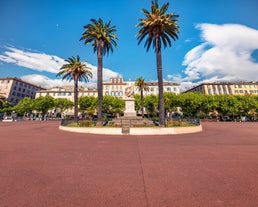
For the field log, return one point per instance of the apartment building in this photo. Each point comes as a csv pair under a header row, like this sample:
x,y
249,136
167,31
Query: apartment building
x,y
167,87
117,87
67,92
14,89
233,88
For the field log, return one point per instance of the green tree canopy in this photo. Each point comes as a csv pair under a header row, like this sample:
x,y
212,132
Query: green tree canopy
x,y
43,104
24,106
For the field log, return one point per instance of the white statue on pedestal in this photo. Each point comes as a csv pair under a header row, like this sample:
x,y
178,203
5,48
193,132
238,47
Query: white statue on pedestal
x,y
129,102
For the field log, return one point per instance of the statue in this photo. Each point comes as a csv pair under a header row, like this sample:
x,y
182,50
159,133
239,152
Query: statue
x,y
129,92
129,102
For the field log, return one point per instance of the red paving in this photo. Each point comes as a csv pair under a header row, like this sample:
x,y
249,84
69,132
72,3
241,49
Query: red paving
x,y
42,166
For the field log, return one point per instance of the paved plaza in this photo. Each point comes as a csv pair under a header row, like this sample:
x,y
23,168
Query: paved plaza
x,y
42,166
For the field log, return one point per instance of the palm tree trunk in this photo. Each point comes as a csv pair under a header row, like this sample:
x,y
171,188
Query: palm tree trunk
x,y
142,102
160,83
75,92
100,80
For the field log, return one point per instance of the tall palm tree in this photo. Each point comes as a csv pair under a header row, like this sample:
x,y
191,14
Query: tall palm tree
x,y
141,86
158,27
102,37
76,71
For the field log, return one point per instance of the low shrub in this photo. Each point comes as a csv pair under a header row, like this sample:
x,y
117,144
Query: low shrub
x,y
179,123
86,123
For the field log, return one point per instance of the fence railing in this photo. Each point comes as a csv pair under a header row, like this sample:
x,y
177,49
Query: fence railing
x,y
132,121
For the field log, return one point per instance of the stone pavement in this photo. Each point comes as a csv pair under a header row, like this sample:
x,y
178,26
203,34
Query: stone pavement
x,y
42,166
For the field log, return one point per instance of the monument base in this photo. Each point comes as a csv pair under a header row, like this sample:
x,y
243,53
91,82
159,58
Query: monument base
x,y
129,108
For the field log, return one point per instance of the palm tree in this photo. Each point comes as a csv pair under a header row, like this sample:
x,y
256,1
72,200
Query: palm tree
x,y
102,37
76,71
141,86
158,28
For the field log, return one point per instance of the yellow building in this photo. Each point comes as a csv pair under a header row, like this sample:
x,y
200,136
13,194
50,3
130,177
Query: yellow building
x,y
115,87
67,92
233,88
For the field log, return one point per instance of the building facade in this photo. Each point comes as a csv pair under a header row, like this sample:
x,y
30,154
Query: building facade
x,y
14,89
115,87
232,88
67,92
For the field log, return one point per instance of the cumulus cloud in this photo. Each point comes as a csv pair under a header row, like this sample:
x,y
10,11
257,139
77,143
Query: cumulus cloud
x,y
35,61
42,62
224,55
47,82
107,73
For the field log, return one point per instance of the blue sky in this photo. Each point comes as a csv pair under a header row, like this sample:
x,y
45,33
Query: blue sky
x,y
218,40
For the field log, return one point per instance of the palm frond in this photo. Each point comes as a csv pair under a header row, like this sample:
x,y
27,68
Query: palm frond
x,y
157,24
97,32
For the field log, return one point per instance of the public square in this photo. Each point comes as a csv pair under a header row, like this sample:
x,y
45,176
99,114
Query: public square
x,y
42,166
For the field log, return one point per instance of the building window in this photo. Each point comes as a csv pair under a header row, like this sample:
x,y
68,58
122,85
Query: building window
x,y
107,93
168,89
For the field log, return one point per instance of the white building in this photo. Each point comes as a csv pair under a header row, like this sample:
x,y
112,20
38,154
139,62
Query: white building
x,y
115,87
67,92
14,89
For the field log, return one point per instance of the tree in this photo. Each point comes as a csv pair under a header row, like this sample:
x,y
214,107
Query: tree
x,y
102,37
142,86
6,107
76,71
170,103
63,104
190,104
151,104
228,106
88,104
137,102
158,28
24,106
43,104
113,105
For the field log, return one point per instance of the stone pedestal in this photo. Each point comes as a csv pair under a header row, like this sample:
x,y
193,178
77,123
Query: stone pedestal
x,y
129,108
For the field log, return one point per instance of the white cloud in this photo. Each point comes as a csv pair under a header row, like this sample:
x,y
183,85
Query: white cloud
x,y
47,82
107,73
35,61
42,62
224,55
